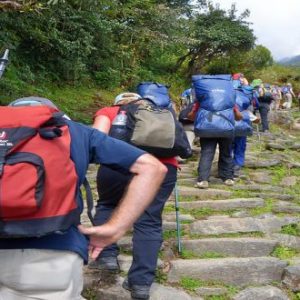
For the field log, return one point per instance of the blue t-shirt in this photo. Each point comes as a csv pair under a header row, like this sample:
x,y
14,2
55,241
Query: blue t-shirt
x,y
87,146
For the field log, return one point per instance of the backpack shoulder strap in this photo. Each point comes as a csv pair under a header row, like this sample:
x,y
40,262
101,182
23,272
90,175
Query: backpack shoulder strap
x,y
89,200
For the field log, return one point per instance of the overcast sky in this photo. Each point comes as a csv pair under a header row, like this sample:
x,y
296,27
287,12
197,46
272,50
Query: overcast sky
x,y
276,23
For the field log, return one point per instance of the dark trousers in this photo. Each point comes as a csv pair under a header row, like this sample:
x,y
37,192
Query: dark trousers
x,y
147,230
208,149
264,109
239,150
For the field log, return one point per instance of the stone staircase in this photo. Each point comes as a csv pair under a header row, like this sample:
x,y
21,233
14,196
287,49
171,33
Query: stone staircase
x,y
239,242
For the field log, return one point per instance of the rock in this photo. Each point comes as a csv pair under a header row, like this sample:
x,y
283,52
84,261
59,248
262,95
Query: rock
x,y
237,225
125,243
199,194
160,292
241,214
258,187
287,240
284,197
261,177
261,293
211,291
285,207
289,181
187,181
262,163
281,117
296,124
224,204
157,292
234,271
235,247
293,165
271,146
171,217
291,278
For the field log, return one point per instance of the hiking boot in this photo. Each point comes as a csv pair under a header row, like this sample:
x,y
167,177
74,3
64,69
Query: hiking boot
x,y
202,184
137,291
108,263
229,182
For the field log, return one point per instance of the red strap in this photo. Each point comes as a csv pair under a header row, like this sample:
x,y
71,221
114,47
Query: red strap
x,y
31,116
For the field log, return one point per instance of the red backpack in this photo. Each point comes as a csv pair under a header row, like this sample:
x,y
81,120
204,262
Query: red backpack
x,y
37,176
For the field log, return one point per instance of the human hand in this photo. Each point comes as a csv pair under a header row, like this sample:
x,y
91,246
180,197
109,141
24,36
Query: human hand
x,y
100,237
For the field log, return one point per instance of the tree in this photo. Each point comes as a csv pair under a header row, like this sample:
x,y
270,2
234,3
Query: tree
x,y
216,33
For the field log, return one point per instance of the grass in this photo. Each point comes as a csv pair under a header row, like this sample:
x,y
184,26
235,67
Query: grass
x,y
170,234
284,253
291,229
191,284
269,203
187,254
89,294
160,276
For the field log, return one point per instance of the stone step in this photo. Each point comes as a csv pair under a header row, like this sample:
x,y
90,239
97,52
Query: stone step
x,y
224,204
284,197
198,194
238,247
233,271
262,163
258,187
171,217
157,292
261,293
287,240
286,207
240,225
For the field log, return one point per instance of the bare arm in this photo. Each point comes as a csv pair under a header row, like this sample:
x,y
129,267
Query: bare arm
x,y
141,191
102,123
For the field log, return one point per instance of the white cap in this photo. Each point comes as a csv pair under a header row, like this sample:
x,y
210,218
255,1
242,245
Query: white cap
x,y
127,96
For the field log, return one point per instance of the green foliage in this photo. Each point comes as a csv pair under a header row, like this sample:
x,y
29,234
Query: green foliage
x,y
169,234
291,229
284,252
190,284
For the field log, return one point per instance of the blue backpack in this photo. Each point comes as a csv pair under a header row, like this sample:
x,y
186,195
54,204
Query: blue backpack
x,y
285,90
244,96
215,118
155,92
244,126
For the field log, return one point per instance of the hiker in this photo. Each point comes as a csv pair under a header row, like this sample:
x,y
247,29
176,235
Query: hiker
x,y
288,95
298,97
147,230
265,98
187,100
48,263
214,113
277,96
243,128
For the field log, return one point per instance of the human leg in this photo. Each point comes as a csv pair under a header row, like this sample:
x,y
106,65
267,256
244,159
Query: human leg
x,y
111,186
264,109
239,151
40,274
147,234
208,149
225,163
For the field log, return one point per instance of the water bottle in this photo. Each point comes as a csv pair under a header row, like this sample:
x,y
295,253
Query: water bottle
x,y
119,129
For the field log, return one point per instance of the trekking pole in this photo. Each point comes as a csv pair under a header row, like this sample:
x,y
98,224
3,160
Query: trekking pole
x,y
3,62
177,219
